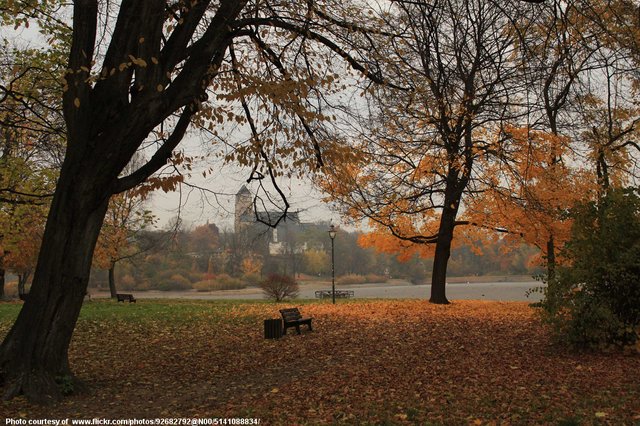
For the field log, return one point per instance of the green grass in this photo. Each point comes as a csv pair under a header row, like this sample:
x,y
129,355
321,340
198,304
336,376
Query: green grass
x,y
156,309
173,311
9,312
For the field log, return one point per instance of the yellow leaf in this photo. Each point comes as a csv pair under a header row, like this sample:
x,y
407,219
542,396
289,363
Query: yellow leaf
x,y
160,88
76,102
601,415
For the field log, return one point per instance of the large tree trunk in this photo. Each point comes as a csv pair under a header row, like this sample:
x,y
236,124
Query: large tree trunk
x,y
441,258
34,355
453,193
106,124
112,280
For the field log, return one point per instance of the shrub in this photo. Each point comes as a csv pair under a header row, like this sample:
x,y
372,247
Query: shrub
x,y
226,282
194,276
251,279
351,279
595,301
126,282
374,278
205,285
279,287
219,282
175,282
11,289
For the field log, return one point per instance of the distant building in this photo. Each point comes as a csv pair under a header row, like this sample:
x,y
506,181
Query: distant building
x,y
281,239
243,209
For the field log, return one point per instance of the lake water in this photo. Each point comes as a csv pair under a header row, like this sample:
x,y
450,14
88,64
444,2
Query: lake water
x,y
499,291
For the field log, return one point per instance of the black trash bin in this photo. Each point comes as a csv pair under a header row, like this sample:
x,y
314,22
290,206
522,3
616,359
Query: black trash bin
x,y
273,328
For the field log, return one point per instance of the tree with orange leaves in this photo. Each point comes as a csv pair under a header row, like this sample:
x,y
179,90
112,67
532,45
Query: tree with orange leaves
x,y
531,198
125,218
426,148
23,226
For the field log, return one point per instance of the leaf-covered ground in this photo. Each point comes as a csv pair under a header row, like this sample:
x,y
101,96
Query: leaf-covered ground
x,y
366,362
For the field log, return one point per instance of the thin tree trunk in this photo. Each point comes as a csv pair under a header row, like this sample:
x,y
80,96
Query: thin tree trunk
x,y
2,280
551,258
22,285
34,355
112,280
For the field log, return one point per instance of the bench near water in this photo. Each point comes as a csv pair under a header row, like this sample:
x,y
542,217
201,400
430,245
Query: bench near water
x,y
291,317
128,297
340,294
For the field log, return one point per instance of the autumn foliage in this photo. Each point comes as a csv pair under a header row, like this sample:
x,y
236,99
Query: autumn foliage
x,y
389,362
531,198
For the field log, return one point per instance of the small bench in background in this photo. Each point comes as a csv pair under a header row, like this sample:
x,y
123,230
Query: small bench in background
x,y
122,297
340,294
291,317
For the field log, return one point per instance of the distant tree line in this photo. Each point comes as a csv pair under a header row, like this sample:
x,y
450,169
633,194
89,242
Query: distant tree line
x,y
206,258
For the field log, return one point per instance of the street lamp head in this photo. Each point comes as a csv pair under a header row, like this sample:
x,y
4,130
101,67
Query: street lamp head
x,y
332,232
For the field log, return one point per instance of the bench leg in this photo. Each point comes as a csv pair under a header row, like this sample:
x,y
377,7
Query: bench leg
x,y
298,328
310,329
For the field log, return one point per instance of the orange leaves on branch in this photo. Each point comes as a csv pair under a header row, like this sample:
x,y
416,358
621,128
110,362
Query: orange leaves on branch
x,y
164,183
125,218
383,242
534,196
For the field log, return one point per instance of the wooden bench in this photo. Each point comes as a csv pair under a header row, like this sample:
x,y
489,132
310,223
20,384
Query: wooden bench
x,y
340,294
128,297
291,318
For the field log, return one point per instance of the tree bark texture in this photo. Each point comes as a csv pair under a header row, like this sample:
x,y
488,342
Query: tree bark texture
x,y
441,257
105,127
34,355
453,194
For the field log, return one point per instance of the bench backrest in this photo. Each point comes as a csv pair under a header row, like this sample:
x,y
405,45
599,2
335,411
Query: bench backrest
x,y
290,314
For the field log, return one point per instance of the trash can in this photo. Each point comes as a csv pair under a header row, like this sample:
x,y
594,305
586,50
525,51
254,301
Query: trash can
x,y
273,328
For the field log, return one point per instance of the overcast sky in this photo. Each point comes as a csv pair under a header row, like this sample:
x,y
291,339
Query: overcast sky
x,y
216,203
214,200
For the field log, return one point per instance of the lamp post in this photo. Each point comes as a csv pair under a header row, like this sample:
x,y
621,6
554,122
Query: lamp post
x,y
332,235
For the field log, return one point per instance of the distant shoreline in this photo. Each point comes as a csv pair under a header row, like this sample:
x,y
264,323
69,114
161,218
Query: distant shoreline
x,y
513,289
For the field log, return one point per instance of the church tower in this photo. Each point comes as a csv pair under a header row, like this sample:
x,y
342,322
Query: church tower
x,y
243,208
